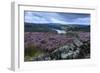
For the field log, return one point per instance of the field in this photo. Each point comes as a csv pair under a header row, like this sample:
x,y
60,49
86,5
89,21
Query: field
x,y
44,42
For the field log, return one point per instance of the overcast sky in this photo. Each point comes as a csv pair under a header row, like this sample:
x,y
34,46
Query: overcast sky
x,y
56,17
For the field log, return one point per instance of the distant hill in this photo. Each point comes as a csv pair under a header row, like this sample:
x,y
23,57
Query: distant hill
x,y
75,27
31,27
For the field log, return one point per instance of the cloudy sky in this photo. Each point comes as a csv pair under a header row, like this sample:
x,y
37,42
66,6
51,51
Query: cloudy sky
x,y
56,17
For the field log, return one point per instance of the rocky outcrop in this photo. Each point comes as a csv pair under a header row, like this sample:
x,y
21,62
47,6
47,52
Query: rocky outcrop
x,y
76,50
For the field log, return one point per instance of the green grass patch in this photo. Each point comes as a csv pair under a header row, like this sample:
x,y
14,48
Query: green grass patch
x,y
32,51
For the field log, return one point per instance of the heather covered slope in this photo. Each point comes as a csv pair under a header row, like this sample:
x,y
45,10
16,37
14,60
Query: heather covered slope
x,y
48,45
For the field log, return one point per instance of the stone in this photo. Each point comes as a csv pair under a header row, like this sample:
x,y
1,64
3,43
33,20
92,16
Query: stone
x,y
77,42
